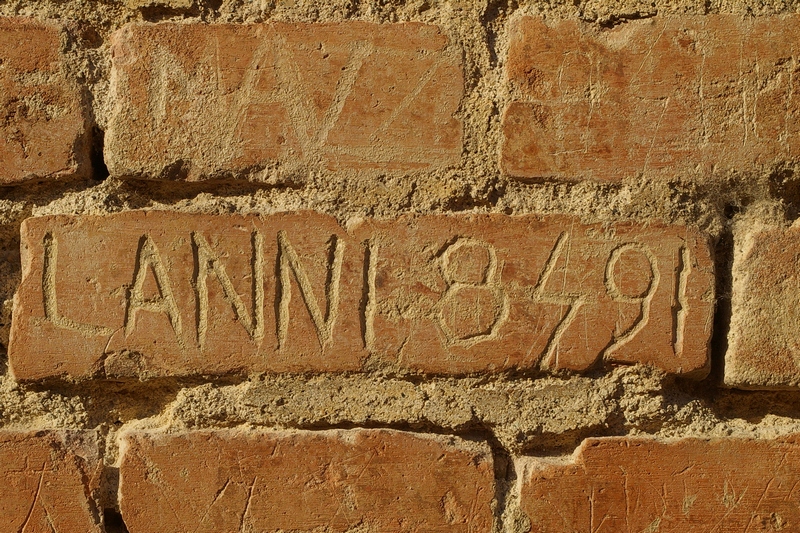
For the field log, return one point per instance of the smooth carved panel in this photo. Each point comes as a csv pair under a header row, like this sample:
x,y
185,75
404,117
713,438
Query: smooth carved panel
x,y
626,485
196,101
666,96
145,294
336,481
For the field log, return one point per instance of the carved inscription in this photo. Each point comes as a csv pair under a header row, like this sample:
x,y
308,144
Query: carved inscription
x,y
153,293
289,262
200,101
643,299
207,260
147,259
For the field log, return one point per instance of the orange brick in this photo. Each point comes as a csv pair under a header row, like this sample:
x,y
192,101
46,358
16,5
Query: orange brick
x,y
667,96
42,124
144,294
196,101
47,478
635,485
378,480
763,343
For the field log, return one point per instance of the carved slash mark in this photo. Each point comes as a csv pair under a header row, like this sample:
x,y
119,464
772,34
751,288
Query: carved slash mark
x,y
573,301
644,299
681,306
27,520
311,132
148,258
289,263
205,260
49,269
248,501
409,98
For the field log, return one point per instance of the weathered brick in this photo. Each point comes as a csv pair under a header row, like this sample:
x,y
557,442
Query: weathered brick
x,y
144,294
42,124
194,101
667,96
638,485
378,480
47,478
763,344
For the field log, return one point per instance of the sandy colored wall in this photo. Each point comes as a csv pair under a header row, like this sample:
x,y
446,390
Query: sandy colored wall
x,y
536,437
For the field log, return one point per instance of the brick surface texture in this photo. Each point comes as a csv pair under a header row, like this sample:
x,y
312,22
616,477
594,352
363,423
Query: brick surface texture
x,y
193,101
42,126
152,294
667,96
634,485
763,348
407,266
47,481
377,480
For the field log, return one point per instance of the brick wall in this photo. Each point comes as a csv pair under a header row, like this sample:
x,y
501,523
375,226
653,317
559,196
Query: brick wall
x,y
370,266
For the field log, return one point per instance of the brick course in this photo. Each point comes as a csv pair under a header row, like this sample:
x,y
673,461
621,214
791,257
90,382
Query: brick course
x,y
667,96
148,294
48,478
195,101
42,126
378,480
634,485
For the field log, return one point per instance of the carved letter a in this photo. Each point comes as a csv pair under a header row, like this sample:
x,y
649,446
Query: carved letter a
x,y
148,256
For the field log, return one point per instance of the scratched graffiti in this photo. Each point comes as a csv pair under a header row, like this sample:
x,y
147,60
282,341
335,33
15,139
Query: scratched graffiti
x,y
350,95
690,96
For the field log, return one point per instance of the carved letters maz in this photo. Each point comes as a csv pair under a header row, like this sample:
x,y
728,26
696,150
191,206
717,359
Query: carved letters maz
x,y
170,294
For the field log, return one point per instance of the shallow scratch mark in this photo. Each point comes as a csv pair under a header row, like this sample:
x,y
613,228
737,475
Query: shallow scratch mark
x,y
409,98
217,496
655,134
33,503
648,54
247,503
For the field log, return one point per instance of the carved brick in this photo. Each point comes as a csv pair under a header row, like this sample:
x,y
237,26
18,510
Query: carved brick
x,y
377,480
47,478
763,343
639,485
42,130
145,294
196,101
667,96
